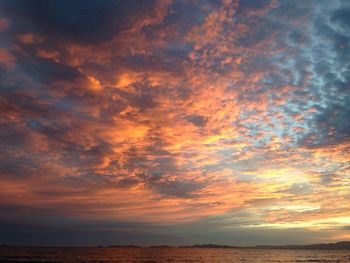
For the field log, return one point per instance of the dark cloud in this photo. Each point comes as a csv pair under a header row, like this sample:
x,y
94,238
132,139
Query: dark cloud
x,y
76,21
177,188
77,234
253,4
342,17
15,168
197,120
48,71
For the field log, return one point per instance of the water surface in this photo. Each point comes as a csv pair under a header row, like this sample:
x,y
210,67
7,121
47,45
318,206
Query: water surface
x,y
155,255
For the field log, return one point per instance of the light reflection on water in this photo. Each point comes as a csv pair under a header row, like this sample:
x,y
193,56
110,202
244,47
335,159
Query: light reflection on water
x,y
155,255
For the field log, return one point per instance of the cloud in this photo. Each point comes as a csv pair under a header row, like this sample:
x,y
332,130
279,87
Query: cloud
x,y
6,58
91,22
197,120
175,112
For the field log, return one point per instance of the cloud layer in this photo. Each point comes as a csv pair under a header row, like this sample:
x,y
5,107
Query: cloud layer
x,y
232,114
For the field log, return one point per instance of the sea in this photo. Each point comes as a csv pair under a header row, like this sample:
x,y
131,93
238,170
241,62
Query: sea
x,y
160,254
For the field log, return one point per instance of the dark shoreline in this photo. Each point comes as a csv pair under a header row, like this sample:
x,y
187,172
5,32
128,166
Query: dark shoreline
x,y
343,245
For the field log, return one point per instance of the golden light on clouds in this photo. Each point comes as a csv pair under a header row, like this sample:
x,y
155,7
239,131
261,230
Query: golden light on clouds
x,y
224,113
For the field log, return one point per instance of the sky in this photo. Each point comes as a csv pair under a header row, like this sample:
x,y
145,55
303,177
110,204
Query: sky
x,y
174,122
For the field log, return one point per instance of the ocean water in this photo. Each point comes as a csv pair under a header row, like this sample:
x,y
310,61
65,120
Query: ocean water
x,y
155,255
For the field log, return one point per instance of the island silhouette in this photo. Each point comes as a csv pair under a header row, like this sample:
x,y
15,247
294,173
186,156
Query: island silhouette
x,y
321,246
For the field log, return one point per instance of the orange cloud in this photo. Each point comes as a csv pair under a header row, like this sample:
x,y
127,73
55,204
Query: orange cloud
x,y
6,58
171,119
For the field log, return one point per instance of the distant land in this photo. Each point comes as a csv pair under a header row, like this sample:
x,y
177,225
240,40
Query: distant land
x,y
338,245
323,246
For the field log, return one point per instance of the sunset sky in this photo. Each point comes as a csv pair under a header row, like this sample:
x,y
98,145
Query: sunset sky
x,y
174,122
